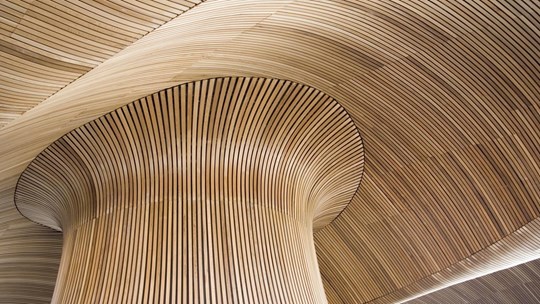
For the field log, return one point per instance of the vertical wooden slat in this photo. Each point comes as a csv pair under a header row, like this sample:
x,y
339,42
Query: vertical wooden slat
x,y
235,172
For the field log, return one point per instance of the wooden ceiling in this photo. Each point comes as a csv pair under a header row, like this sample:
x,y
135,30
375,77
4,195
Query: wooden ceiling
x,y
519,284
48,44
444,93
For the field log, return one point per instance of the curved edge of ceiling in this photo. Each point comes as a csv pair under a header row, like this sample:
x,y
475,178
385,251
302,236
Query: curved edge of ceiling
x,y
48,47
62,186
517,248
518,284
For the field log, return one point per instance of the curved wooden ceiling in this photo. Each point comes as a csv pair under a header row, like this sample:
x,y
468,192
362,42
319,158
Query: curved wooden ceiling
x,y
519,284
445,95
46,45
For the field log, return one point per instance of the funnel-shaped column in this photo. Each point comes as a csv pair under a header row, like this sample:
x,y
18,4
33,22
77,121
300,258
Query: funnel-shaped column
x,y
207,192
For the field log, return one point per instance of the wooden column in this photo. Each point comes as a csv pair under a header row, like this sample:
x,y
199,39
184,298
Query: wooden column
x,y
207,192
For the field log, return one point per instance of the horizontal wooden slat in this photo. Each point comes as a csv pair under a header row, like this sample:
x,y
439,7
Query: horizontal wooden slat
x,y
519,284
68,37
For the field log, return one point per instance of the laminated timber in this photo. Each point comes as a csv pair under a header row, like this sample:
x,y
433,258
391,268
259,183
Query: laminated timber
x,y
519,284
46,45
205,192
445,94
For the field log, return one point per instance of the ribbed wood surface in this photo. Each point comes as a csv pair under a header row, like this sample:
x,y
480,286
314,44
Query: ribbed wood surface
x,y
444,92
45,45
204,192
29,261
519,247
519,284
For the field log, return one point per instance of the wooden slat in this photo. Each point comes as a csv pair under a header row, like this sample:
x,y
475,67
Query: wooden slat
x,y
445,94
519,284
233,175
69,38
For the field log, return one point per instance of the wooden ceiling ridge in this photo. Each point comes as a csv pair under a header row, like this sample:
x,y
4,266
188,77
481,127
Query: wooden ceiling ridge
x,y
46,46
522,241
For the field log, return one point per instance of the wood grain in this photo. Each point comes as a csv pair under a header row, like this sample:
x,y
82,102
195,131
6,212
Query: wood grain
x,y
45,45
445,94
519,284
205,192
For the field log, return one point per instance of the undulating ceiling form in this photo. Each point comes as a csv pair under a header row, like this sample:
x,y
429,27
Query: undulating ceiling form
x,y
519,284
208,192
444,92
45,45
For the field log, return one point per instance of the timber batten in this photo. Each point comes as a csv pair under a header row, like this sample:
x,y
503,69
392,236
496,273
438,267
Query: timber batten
x,y
205,192
444,92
